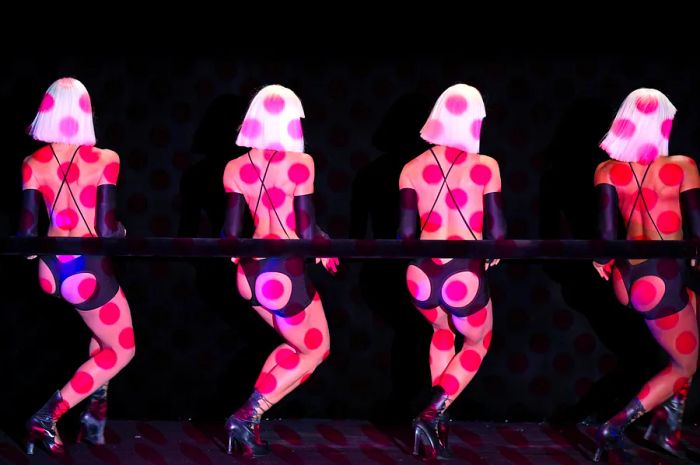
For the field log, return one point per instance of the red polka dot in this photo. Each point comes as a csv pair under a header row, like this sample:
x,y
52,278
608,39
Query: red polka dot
x,y
299,173
455,156
432,130
666,128
274,155
45,285
470,360
671,174
480,174
450,384
479,318
48,194
126,338
680,384
89,154
251,128
291,221
643,293
455,237
313,339
456,290
68,126
432,223
294,129
85,104
476,222
620,175
43,155
46,103
456,104
87,287
296,319
273,197
413,287
266,383
67,219
647,104
487,340
249,174
88,196
305,377
111,172
623,128
274,104
460,196
431,314
444,339
644,392
650,197
82,382
26,173
432,174
686,342
287,359
106,359
667,322
272,289
647,153
476,129
71,172
669,222
109,313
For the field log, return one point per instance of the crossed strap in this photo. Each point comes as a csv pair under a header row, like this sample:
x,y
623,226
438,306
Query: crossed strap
x,y
264,188
64,182
644,202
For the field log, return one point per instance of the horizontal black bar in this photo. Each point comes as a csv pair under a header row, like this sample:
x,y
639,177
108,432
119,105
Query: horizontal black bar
x,y
385,248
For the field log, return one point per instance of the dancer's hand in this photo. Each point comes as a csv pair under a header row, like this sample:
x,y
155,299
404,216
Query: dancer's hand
x,y
491,263
603,270
30,257
235,260
331,264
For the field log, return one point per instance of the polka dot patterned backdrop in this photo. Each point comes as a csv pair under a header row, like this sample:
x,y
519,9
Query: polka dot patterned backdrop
x,y
560,342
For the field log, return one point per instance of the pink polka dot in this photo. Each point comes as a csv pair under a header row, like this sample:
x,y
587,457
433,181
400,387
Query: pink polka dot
x,y
111,172
443,339
671,175
26,173
313,339
470,360
106,359
45,285
294,129
667,322
432,223
296,319
432,130
46,103
67,219
109,313
68,126
623,128
71,172
85,104
666,128
476,129
479,318
82,382
87,287
643,293
487,340
249,174
456,290
272,289
459,195
291,221
413,287
680,384
647,104
647,153
686,342
274,104
274,155
89,154
456,104
644,392
432,174
456,156
480,174
305,377
620,175
299,173
449,383
266,383
251,128
43,155
476,222
126,338
48,194
650,197
669,222
273,197
88,196
287,359
430,314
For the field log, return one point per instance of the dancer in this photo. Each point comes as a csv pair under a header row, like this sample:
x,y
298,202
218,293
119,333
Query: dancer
x,y
456,194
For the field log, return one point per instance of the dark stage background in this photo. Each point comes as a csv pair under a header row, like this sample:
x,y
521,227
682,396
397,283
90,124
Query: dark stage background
x,y
562,347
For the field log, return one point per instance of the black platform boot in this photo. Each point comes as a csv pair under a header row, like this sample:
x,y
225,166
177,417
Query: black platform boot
x,y
665,426
42,426
610,435
243,428
94,418
430,429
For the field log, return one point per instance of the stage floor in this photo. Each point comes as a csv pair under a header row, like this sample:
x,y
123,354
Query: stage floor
x,y
311,442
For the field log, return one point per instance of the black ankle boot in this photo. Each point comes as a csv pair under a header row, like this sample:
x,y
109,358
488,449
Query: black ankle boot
x,y
243,428
665,426
610,435
42,426
94,418
431,428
